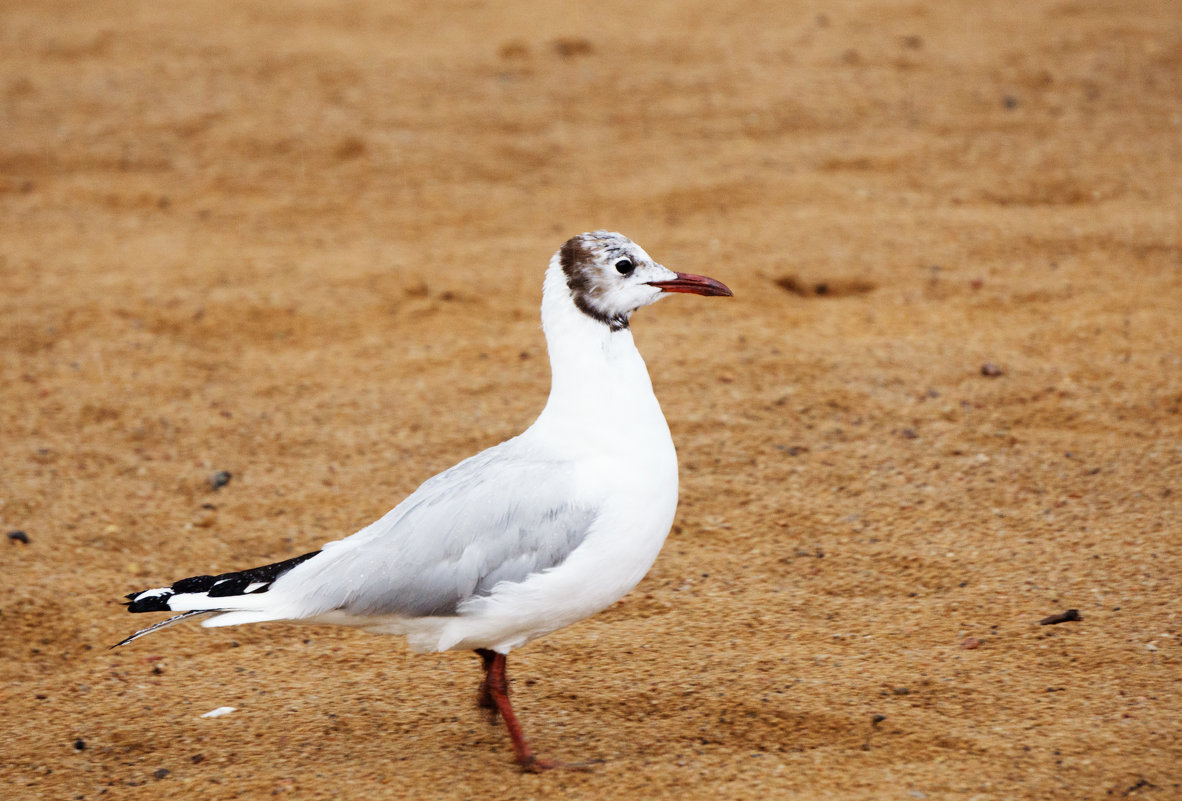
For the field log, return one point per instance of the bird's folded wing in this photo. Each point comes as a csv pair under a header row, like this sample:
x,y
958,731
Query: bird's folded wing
x,y
495,517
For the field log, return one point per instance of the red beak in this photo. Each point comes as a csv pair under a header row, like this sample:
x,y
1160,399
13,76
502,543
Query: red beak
x,y
693,284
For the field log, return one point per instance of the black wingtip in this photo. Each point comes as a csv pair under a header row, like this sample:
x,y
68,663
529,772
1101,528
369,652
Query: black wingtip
x,y
156,603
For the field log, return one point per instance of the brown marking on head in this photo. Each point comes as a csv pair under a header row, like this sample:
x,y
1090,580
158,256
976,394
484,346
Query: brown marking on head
x,y
579,267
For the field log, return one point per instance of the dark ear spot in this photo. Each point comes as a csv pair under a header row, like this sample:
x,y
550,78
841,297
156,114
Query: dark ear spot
x,y
575,260
573,257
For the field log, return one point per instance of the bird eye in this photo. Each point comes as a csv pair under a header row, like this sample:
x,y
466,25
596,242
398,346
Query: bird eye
x,y
625,267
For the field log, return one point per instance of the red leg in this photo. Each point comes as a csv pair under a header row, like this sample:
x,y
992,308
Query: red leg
x,y
484,698
496,690
497,684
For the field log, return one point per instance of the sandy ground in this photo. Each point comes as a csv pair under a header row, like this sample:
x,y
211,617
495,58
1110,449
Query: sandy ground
x,y
303,243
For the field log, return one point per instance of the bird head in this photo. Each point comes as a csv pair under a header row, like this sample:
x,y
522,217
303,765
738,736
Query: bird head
x,y
609,277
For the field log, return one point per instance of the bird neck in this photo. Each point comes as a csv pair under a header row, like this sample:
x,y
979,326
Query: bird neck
x,y
598,378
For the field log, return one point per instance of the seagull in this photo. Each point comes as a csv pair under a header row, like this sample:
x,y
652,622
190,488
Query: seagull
x,y
522,539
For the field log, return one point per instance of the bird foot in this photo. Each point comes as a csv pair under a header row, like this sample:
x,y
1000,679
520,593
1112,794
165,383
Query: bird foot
x,y
533,764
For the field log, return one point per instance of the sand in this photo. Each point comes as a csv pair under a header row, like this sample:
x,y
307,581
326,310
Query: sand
x,y
303,243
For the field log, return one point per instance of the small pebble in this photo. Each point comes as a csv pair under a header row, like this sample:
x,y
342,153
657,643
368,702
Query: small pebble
x,y
79,744
161,773
18,536
990,369
197,759
969,643
219,479
1063,617
206,516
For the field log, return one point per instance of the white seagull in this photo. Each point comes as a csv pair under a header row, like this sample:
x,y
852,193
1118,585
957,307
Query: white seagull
x,y
522,539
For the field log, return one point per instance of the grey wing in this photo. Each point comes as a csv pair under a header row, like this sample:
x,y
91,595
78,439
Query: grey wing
x,y
492,518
